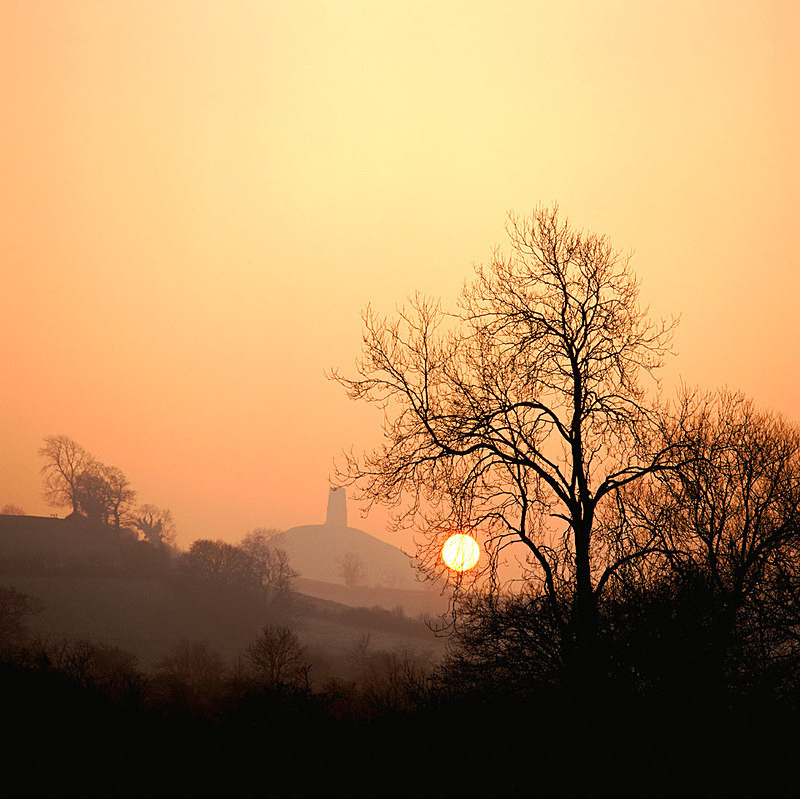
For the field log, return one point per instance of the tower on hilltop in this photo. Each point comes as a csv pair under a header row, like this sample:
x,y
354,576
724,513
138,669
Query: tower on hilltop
x,y
337,507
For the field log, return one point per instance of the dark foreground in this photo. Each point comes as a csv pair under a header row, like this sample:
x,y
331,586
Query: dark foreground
x,y
65,737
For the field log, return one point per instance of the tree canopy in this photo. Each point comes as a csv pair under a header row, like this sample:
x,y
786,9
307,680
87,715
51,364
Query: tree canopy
x,y
517,416
530,417
74,478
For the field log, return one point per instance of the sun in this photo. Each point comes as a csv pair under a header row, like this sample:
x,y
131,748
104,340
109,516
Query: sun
x,y
460,552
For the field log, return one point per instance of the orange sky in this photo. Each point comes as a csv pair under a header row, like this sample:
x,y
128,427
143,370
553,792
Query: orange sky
x,y
198,197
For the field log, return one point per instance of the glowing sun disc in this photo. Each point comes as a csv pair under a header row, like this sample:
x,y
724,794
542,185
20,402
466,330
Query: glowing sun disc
x,y
460,552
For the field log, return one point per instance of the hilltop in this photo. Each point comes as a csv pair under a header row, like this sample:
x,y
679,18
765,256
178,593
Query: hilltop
x,y
97,584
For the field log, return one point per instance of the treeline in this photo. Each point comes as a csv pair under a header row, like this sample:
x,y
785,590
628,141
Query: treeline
x,y
254,562
704,588
90,717
659,539
101,497
75,479
195,678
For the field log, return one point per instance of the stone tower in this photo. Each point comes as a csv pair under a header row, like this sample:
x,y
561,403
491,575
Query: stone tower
x,y
337,507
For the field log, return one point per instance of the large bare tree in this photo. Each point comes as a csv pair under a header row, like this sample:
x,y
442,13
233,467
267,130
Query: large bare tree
x,y
65,463
519,416
73,477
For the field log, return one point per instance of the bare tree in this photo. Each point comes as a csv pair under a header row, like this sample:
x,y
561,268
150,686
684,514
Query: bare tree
x,y
519,416
217,561
352,569
155,524
65,462
270,566
119,496
113,670
277,658
192,672
104,493
74,478
727,519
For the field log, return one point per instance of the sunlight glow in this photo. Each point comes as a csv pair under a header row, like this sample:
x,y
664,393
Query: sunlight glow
x,y
460,552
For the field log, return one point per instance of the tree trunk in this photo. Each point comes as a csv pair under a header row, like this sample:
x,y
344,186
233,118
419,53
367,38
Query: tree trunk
x,y
584,667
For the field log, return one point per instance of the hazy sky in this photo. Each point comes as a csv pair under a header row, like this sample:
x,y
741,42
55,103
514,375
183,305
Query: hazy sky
x,y
198,197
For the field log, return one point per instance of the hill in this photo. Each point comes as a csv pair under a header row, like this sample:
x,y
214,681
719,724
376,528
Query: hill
x,y
420,601
108,588
317,552
50,545
150,616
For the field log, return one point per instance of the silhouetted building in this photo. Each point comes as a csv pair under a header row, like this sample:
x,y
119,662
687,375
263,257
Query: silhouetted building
x,y
337,507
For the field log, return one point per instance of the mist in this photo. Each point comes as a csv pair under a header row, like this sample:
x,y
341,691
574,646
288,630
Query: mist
x,y
200,201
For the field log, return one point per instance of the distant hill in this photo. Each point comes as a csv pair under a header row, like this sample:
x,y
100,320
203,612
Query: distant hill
x,y
317,550
149,616
98,584
424,600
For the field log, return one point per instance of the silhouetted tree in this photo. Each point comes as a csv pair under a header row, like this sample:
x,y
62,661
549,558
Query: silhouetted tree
x,y
503,642
91,491
105,667
74,478
10,509
155,524
191,673
521,415
217,561
726,522
269,565
277,658
352,569
119,496
65,462
389,679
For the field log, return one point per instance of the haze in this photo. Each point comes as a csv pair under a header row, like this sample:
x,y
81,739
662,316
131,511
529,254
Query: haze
x,y
198,199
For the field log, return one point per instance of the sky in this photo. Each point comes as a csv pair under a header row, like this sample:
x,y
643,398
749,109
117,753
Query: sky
x,y
199,197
